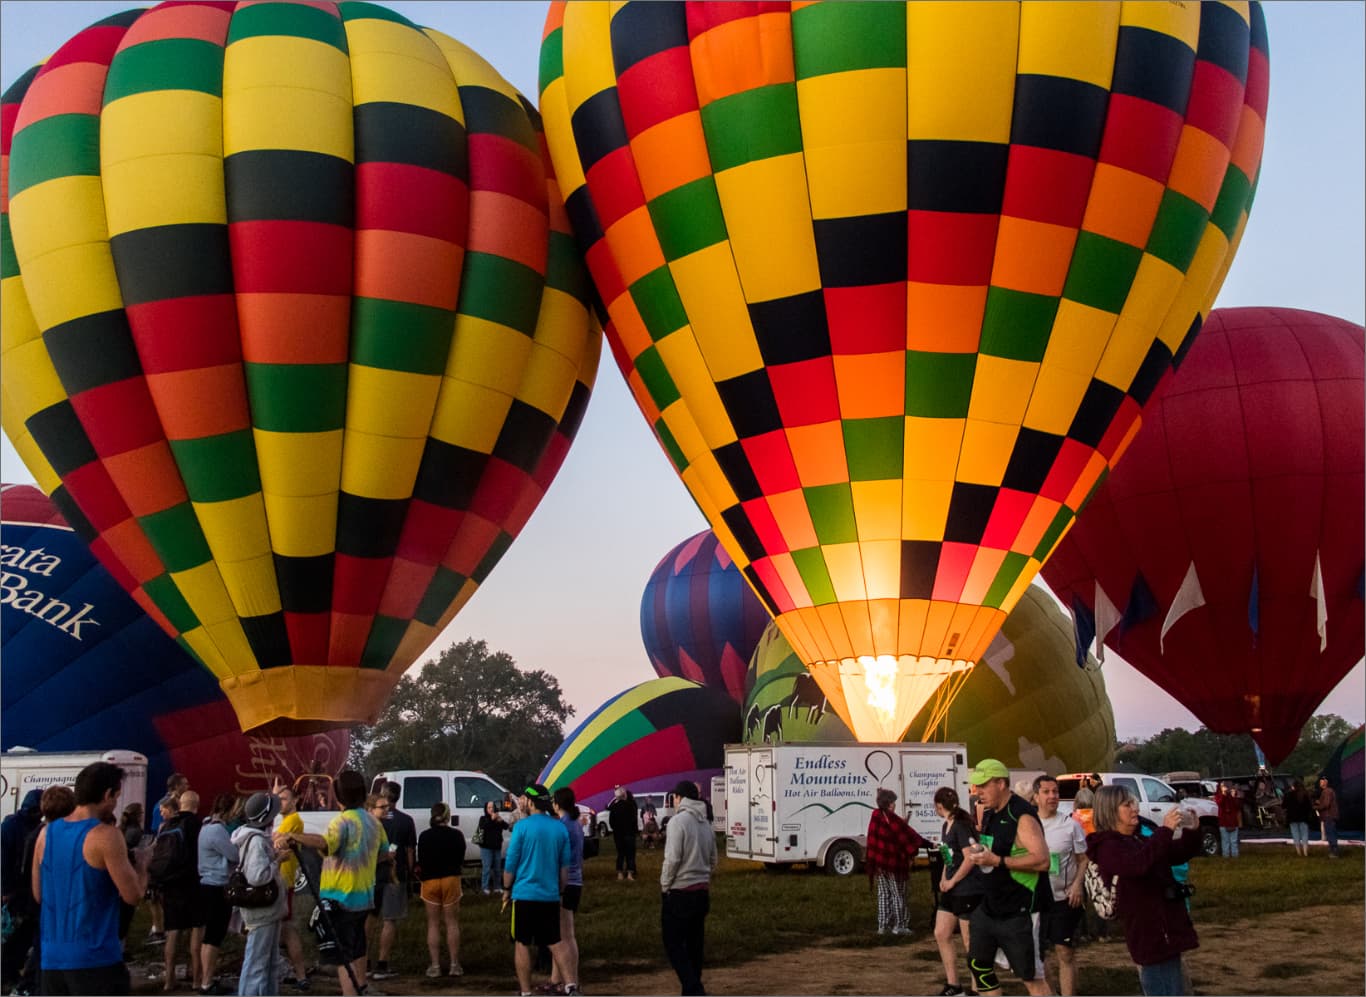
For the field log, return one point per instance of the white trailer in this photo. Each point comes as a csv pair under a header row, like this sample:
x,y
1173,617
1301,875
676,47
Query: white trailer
x,y
789,803
23,769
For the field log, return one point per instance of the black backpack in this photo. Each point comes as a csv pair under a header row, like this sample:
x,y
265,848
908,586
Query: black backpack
x,y
170,863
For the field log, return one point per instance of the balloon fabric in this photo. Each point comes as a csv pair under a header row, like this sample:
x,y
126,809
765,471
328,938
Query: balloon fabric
x,y
294,332
647,738
1239,506
699,618
85,669
1027,703
892,282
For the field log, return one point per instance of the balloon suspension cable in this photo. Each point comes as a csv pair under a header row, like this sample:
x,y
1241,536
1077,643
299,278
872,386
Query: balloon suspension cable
x,y
937,725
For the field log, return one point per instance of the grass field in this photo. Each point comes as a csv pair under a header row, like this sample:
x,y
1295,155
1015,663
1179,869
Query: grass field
x,y
757,912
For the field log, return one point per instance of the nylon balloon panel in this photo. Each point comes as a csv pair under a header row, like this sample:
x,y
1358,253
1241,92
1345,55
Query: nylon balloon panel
x,y
1347,775
699,619
1027,703
657,729
1247,475
305,335
892,282
86,669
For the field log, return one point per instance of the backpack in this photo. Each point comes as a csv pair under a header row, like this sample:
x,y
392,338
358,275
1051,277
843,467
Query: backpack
x,y
170,862
1102,891
240,892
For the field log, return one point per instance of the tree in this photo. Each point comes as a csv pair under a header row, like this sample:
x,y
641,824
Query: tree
x,y
468,709
1214,755
1318,740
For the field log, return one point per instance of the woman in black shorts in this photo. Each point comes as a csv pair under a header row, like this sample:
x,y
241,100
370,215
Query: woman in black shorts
x,y
959,888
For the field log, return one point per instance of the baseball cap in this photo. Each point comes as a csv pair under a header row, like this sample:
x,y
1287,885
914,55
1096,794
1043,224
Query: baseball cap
x,y
536,791
986,769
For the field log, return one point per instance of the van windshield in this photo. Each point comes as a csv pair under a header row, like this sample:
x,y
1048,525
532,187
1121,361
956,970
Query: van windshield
x,y
1067,788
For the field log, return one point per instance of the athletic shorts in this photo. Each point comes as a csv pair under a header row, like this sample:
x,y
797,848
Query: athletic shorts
x,y
960,907
443,892
181,907
571,897
1058,924
1013,935
213,905
392,902
349,926
536,922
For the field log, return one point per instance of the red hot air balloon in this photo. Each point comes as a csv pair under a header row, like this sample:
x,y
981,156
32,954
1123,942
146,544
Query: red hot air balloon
x,y
1225,551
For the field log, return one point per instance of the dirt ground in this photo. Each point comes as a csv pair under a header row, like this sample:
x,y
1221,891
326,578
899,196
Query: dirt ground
x,y
1315,950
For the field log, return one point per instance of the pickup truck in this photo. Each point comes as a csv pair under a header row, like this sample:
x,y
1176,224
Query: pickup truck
x,y
1155,798
464,791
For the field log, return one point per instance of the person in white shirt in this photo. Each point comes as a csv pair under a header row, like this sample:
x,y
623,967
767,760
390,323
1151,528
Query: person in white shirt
x,y
1060,922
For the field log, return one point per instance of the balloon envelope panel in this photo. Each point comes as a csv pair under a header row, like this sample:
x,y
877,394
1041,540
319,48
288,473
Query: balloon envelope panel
x,y
699,618
1248,474
1027,703
892,282
646,738
1346,771
294,331
83,668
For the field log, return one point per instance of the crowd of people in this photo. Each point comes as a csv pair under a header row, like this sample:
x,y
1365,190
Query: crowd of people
x,y
250,866
1011,877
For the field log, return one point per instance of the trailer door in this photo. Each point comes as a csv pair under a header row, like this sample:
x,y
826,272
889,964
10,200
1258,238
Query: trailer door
x,y
922,772
762,806
737,803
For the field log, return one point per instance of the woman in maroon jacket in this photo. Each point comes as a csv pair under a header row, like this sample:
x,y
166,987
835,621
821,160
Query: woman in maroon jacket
x,y
1151,904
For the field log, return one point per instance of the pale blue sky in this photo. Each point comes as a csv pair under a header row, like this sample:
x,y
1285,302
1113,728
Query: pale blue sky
x,y
566,597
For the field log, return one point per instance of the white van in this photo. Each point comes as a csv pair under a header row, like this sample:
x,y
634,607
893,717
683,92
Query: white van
x,y
464,791
24,769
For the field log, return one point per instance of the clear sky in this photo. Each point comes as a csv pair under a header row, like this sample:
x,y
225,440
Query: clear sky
x,y
566,597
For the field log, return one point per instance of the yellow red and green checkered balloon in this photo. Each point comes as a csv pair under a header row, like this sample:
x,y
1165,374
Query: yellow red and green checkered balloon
x,y
891,282
294,331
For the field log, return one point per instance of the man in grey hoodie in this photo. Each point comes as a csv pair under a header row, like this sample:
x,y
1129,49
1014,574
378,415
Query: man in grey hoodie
x,y
685,879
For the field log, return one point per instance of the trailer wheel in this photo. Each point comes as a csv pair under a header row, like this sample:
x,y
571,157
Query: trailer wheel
x,y
843,859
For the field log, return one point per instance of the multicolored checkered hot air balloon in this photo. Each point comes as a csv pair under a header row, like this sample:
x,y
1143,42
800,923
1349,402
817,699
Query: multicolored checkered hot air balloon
x,y
699,619
891,282
294,332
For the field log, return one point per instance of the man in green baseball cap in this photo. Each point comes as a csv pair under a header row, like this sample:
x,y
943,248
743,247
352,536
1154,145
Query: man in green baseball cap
x,y
1011,856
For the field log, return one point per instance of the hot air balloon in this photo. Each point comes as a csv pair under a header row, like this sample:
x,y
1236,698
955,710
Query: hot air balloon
x,y
648,737
294,332
85,669
699,618
1346,772
1026,704
1223,559
891,282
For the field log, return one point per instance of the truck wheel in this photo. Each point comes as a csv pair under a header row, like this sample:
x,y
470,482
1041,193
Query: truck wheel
x,y
602,830
1209,839
842,859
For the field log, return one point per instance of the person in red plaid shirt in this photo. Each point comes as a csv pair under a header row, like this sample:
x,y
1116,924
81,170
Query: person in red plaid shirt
x,y
892,844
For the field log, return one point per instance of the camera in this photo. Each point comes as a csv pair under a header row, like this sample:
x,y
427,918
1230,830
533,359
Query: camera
x,y
1177,891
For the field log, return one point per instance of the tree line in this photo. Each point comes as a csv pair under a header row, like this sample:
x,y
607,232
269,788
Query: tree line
x,y
472,708
1214,755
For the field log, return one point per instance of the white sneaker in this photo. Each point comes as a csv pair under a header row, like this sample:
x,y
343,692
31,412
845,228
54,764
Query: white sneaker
x,y
433,972
457,969
901,931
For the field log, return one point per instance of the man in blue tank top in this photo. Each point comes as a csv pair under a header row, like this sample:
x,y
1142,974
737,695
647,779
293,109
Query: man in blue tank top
x,y
80,872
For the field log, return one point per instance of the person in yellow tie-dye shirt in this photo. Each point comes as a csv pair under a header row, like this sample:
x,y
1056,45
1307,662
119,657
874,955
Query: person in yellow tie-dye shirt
x,y
352,844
